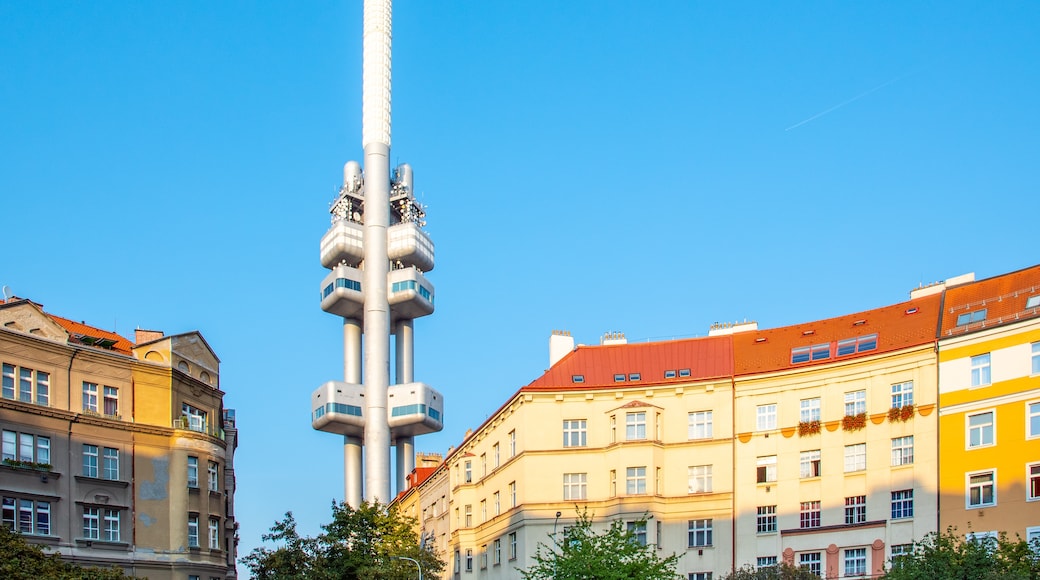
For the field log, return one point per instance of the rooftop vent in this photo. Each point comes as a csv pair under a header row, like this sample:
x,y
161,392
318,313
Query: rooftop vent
x,y
613,337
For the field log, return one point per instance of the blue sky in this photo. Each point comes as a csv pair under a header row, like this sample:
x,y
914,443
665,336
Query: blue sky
x,y
643,167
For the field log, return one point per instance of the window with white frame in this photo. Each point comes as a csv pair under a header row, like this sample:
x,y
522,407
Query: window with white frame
x,y
498,551
90,460
26,448
855,562
90,397
193,471
809,464
574,486
111,401
700,425
811,561
809,514
214,534
468,511
699,479
765,519
980,370
458,562
638,531
981,429
855,457
635,480
110,529
1033,481
1036,358
855,403
212,473
699,533
765,470
903,394
496,503
765,417
902,504
899,550
483,465
110,463
495,455
698,576
855,509
91,523
512,545
512,494
574,433
809,410
766,562
194,417
26,516
982,489
483,557
469,559
1032,420
1033,538
512,443
903,450
635,426
193,530
468,471
33,386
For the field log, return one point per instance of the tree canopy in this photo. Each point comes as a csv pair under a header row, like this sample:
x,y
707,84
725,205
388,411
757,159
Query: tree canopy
x,y
782,571
367,543
950,556
20,560
580,553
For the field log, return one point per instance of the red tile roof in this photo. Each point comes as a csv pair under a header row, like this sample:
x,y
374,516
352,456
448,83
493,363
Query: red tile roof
x,y
1003,297
706,358
78,329
898,326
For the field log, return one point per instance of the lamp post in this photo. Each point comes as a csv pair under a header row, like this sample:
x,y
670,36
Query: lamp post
x,y
413,561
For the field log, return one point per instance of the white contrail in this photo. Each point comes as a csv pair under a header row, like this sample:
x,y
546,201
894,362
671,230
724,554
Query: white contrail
x,y
843,103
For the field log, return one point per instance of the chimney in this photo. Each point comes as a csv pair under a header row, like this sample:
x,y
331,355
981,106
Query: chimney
x,y
560,343
141,336
613,337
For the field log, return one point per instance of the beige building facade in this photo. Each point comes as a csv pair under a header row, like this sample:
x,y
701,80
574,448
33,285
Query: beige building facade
x,y
116,453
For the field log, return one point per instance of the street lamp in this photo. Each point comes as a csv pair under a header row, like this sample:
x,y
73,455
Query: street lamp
x,y
413,561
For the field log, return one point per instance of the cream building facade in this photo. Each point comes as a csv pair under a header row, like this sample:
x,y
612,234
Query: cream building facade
x,y
116,453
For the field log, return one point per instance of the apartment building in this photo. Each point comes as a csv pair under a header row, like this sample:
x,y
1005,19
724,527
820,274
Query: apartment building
x,y
116,453
989,397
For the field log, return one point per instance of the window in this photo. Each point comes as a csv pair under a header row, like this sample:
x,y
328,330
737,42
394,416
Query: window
x,y
980,375
111,402
211,476
110,464
809,410
619,377
458,562
1033,481
855,457
670,374
1036,358
195,418
635,426
699,533
848,346
903,450
90,460
1032,420
577,378
902,504
635,480
496,503
26,448
498,551
902,550
483,557
8,381
971,317
193,471
574,433
814,352
469,515
193,530
855,403
495,455
982,489
903,394
512,494
26,516
765,416
699,479
700,425
1033,301
855,562
765,471
766,562
468,471
214,534
483,465
980,429
512,443
855,509
638,531
810,464
809,514
699,576
684,372
574,486
811,562
29,382
634,376
91,523
512,545
469,560
110,533
765,521
613,482
90,397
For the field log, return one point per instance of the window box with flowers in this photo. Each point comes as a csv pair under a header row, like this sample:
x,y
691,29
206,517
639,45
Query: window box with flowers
x,y
904,413
806,428
854,422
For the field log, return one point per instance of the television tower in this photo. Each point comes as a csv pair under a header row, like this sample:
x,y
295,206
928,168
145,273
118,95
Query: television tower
x,y
378,255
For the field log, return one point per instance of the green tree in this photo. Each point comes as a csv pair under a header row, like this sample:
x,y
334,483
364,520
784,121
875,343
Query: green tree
x,y
20,560
782,571
583,554
950,556
365,543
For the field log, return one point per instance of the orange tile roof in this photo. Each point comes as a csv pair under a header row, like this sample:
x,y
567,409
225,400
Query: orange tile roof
x,y
1003,297
897,326
706,358
419,475
77,329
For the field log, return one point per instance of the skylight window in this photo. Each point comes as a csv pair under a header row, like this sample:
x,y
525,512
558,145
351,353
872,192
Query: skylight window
x,y
620,378
971,317
577,378
800,354
634,377
684,372
1033,301
848,346
821,351
669,374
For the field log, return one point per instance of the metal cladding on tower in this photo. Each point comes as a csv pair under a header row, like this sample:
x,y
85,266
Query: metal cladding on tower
x,y
378,255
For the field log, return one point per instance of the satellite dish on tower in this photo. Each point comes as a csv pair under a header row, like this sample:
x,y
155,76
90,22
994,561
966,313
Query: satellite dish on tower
x,y
7,293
